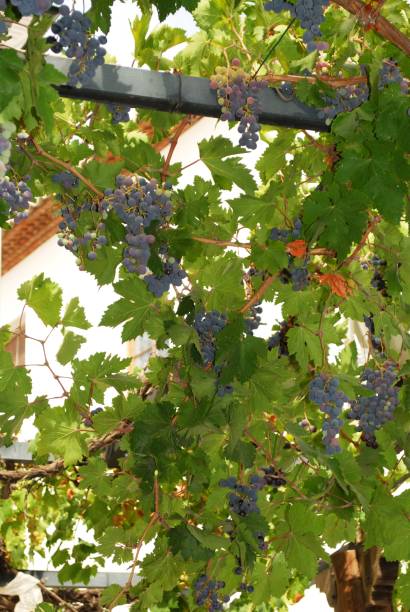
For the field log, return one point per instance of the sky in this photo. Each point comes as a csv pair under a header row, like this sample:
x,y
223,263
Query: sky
x,y
120,39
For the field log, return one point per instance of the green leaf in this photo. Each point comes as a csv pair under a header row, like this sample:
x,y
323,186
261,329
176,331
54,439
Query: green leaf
x,y
305,345
74,315
225,172
135,309
59,434
162,566
100,15
272,581
70,347
44,296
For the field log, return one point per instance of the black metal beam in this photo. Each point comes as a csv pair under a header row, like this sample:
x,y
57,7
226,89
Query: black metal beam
x,y
169,92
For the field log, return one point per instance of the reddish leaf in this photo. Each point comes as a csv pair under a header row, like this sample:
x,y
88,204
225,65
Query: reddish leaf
x,y
297,248
337,284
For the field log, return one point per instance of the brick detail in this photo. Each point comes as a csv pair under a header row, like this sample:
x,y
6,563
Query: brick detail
x,y
28,235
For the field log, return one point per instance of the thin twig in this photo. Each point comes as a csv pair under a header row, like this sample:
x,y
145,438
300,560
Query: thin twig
x,y
328,80
173,141
223,243
258,294
61,601
370,227
58,162
51,469
128,584
378,23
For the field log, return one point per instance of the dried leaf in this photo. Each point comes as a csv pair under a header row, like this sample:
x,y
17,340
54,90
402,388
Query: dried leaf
x,y
297,248
337,284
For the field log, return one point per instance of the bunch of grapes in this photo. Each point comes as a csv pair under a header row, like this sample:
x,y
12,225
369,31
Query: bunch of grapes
x,y
119,112
34,7
376,342
238,96
343,99
284,235
173,274
6,130
243,499
72,31
91,240
88,420
138,203
273,477
378,281
206,593
279,339
390,73
299,278
253,320
17,196
373,411
310,14
324,392
208,325
66,179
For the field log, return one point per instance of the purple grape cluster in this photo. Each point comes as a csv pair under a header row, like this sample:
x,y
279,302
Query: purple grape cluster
x,y
119,112
373,411
325,392
173,274
279,339
221,389
66,179
376,342
93,238
243,499
5,147
311,16
238,97
300,278
34,7
391,73
273,477
343,99
208,325
206,593
377,281
253,320
138,203
284,235
17,196
88,420
72,31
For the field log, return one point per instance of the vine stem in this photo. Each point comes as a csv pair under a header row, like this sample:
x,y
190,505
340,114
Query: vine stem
x,y
155,517
378,23
58,162
370,227
223,243
173,141
56,597
247,245
51,469
331,81
258,294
